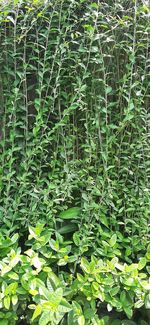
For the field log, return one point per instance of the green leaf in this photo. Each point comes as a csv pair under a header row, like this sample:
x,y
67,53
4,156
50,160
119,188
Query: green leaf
x,y
13,275
4,322
14,300
32,233
147,301
142,263
77,308
53,281
45,318
130,282
67,229
114,291
50,285
123,298
45,293
113,240
81,320
21,291
148,269
72,213
108,90
37,312
128,311
76,238
103,220
70,318
64,306
54,298
7,302
89,313
16,2
54,244
139,304
62,262
14,238
85,265
132,267
94,5
5,270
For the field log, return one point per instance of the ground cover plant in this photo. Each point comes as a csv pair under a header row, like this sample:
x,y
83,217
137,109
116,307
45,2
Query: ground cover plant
x,y
74,160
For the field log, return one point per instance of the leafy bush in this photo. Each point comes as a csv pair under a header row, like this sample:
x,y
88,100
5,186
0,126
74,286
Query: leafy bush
x,y
33,289
74,129
74,162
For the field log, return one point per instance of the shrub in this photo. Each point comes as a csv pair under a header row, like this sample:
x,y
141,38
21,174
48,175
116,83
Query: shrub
x,y
36,287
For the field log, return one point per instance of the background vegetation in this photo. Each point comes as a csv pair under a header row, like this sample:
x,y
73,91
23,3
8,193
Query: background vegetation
x,y
74,93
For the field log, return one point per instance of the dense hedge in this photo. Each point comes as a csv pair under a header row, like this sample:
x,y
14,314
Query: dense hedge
x,y
74,127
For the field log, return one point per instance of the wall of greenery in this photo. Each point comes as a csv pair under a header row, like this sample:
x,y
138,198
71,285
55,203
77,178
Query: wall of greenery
x,y
74,123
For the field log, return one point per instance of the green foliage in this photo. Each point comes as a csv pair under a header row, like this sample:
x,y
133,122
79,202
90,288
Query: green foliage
x,y
74,130
74,162
7,243
32,289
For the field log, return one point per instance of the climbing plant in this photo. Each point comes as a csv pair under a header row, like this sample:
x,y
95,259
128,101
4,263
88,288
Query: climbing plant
x,y
75,118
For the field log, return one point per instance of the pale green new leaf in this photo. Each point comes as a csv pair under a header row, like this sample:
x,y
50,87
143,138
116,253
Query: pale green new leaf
x,y
113,240
37,312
